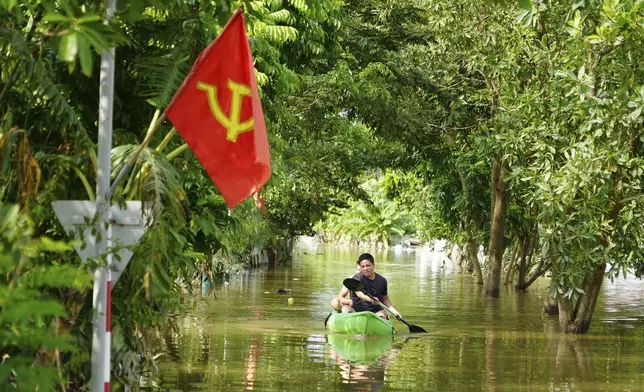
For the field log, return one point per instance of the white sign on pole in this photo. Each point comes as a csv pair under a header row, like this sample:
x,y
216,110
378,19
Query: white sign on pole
x,y
128,226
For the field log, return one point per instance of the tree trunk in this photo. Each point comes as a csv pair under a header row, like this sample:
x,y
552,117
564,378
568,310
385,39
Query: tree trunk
x,y
272,258
469,232
529,242
578,321
513,260
550,306
455,254
585,308
471,254
537,272
460,261
494,180
521,264
497,230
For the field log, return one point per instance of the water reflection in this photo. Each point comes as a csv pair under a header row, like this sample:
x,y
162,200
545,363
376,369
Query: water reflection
x,y
570,357
359,349
362,361
492,378
251,365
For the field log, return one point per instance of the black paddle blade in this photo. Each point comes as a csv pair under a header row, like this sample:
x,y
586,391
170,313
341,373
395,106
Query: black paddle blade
x,y
416,329
353,284
412,328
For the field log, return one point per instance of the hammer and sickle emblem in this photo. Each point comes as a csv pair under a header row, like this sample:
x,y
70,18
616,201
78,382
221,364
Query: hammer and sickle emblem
x,y
231,123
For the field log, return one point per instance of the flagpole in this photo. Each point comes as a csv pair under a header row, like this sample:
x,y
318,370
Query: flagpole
x,y
101,336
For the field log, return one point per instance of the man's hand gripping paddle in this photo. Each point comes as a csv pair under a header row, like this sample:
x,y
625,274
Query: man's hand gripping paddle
x,y
356,285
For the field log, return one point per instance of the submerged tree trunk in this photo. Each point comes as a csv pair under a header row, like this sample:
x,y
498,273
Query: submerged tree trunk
x,y
469,232
455,254
576,319
587,303
513,260
497,229
461,260
521,264
550,303
472,255
272,258
536,273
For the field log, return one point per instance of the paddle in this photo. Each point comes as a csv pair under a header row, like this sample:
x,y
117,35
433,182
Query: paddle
x,y
356,285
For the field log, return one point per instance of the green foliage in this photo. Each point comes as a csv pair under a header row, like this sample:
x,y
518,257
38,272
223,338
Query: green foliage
x,y
375,219
425,203
550,90
78,29
54,103
573,132
29,281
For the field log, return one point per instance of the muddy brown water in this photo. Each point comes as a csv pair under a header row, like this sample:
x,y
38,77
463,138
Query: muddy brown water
x,y
250,338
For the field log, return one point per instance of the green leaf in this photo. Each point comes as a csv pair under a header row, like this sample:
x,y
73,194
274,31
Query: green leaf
x,y
525,4
635,114
54,246
85,55
9,4
23,311
8,141
68,47
55,17
89,18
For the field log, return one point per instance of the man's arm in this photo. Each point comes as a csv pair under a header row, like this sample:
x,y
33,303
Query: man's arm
x,y
364,297
342,297
387,302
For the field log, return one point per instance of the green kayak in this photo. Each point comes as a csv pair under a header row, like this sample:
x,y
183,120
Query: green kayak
x,y
360,349
360,323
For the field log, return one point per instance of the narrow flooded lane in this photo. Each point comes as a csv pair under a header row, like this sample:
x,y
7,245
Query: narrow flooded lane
x,y
250,338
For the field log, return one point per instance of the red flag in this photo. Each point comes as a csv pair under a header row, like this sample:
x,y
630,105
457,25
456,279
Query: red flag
x,y
218,113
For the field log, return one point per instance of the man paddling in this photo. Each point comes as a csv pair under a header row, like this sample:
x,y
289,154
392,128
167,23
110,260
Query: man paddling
x,y
374,284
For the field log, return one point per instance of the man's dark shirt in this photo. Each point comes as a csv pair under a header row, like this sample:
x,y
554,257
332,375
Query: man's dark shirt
x,y
375,288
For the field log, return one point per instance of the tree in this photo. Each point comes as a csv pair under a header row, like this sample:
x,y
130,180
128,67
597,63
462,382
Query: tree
x,y
376,219
577,127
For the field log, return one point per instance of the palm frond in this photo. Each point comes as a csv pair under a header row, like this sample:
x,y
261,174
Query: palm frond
x,y
38,82
15,39
162,78
41,86
262,78
157,181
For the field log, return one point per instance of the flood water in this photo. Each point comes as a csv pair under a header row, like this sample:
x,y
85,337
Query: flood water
x,y
250,338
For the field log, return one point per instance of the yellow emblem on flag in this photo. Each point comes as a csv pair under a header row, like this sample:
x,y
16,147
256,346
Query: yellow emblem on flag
x,y
232,122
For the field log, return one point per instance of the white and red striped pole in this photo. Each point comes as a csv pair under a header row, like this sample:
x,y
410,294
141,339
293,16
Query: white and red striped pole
x,y
101,336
